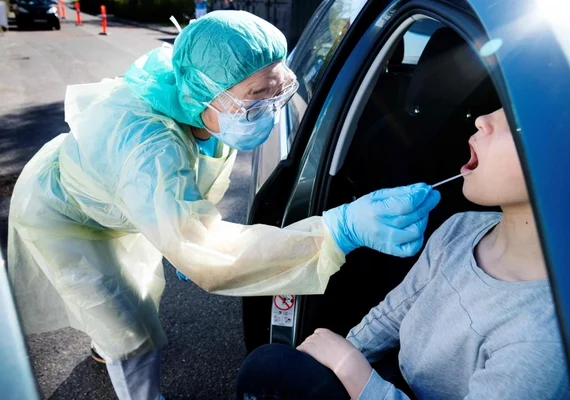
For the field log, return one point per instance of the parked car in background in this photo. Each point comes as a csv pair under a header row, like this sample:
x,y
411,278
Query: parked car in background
x,y
389,92
37,12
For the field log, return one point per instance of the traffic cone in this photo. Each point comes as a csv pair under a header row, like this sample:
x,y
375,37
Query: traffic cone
x,y
103,20
78,17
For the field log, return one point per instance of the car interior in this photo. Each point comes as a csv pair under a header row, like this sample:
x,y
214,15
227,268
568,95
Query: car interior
x,y
414,128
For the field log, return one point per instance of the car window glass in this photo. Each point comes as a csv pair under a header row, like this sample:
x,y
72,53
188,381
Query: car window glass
x,y
315,50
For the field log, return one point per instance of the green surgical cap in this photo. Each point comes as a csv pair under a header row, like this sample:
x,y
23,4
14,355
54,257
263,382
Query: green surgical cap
x,y
210,55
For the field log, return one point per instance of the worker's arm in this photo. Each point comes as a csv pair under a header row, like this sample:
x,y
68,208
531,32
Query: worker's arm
x,y
157,191
158,194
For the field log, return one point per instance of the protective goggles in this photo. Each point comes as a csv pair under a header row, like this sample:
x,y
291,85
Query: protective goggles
x,y
253,110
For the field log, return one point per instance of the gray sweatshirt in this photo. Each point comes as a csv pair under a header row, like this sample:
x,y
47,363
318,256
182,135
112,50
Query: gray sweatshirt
x,y
462,333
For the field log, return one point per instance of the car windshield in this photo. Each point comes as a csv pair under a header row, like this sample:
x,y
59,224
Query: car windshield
x,y
316,48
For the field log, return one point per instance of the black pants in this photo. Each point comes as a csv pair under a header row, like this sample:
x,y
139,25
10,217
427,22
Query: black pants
x,y
278,372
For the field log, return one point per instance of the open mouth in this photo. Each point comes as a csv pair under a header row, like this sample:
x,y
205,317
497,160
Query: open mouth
x,y
473,162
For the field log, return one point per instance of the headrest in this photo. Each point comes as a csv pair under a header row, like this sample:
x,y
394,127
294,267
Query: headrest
x,y
398,54
447,73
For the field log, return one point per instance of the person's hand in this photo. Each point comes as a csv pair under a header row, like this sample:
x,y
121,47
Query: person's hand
x,y
340,356
330,349
391,221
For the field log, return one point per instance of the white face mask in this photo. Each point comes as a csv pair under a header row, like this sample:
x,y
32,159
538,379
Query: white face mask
x,y
241,134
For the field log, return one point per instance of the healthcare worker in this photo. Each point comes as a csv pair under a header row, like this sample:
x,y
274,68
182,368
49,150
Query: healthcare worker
x,y
137,178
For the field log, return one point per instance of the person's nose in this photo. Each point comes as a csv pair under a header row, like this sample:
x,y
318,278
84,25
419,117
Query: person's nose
x,y
484,126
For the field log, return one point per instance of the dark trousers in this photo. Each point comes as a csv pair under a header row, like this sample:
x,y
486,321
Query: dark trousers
x,y
278,372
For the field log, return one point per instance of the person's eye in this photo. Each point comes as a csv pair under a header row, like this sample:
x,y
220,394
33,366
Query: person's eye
x,y
284,88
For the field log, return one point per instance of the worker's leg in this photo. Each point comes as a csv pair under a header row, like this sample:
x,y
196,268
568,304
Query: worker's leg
x,y
137,378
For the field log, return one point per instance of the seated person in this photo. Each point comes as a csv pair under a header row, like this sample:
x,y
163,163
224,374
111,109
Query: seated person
x,y
474,318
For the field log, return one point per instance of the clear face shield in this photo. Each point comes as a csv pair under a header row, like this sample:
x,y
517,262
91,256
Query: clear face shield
x,y
253,110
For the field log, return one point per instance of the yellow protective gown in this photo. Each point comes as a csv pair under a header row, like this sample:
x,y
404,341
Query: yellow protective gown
x,y
96,209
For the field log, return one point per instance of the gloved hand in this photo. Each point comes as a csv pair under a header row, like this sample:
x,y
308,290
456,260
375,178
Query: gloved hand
x,y
391,221
182,277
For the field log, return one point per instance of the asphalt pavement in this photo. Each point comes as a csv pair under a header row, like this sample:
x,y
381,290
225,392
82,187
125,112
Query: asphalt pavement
x,y
205,331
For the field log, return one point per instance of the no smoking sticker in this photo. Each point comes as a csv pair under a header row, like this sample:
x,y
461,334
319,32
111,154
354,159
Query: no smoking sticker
x,y
283,310
284,303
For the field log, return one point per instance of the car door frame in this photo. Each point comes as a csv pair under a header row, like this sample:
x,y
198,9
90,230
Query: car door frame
x,y
513,91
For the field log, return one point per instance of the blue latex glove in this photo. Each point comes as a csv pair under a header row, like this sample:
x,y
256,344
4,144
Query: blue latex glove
x,y
182,277
391,221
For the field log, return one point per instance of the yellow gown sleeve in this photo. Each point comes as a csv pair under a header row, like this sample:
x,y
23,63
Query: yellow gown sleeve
x,y
157,192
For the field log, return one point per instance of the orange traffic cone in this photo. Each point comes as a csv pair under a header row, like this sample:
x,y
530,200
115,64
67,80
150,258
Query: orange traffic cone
x,y
103,20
